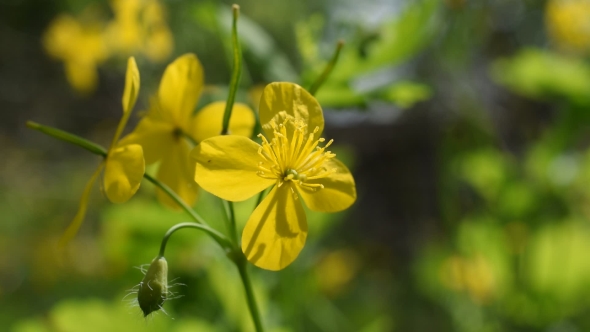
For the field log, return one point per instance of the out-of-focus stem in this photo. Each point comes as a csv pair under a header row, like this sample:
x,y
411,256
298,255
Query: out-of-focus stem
x,y
322,78
236,73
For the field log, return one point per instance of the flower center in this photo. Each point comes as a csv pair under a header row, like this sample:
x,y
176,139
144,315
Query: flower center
x,y
293,155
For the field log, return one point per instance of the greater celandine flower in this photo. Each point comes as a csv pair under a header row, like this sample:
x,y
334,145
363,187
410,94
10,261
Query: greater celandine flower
x,y
80,46
123,166
164,130
140,26
290,158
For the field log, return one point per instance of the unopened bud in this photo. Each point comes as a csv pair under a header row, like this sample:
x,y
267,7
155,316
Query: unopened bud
x,y
153,289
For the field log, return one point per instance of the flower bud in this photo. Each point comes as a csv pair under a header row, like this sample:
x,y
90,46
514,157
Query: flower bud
x,y
153,289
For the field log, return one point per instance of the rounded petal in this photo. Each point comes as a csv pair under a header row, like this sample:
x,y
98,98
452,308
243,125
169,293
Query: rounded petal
x,y
292,99
276,230
181,87
123,172
339,190
129,97
79,217
177,172
208,121
155,137
131,85
227,166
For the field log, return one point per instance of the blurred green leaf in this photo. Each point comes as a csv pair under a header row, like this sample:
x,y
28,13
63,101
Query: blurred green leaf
x,y
396,41
406,94
540,74
486,170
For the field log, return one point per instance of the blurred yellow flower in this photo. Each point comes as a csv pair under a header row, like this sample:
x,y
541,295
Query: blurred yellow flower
x,y
140,26
170,120
474,275
123,166
568,23
335,271
80,46
236,168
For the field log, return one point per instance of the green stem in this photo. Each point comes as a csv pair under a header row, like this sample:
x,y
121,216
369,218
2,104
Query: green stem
x,y
70,138
174,229
220,238
99,150
238,257
242,265
261,196
236,73
322,78
231,218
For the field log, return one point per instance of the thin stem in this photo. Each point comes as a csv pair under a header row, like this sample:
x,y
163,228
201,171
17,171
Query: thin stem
x,y
174,229
70,138
99,150
220,238
260,197
189,138
231,218
236,73
242,265
322,78
238,257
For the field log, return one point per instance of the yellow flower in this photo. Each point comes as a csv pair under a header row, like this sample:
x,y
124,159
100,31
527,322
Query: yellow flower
x,y
80,47
568,23
140,25
236,168
123,166
170,118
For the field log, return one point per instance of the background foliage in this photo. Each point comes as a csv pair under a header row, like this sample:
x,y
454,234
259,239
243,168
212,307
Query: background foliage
x,y
465,122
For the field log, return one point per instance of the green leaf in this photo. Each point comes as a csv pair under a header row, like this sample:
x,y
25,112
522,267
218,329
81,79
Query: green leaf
x,y
406,94
540,74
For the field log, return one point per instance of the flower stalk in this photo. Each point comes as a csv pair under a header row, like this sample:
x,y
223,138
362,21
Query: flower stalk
x,y
242,265
329,67
238,257
236,73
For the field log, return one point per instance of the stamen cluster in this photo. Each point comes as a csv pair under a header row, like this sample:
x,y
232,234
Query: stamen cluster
x,y
293,155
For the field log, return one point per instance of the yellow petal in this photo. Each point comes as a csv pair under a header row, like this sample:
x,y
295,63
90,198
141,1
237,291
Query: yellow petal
x,y
123,172
155,137
129,98
79,218
294,101
177,172
276,230
181,87
208,121
131,85
227,166
339,190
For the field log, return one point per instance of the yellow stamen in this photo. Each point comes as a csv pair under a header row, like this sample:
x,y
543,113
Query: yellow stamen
x,y
294,155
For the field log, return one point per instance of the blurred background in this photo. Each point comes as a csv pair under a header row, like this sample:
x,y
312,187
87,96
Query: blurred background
x,y
465,122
